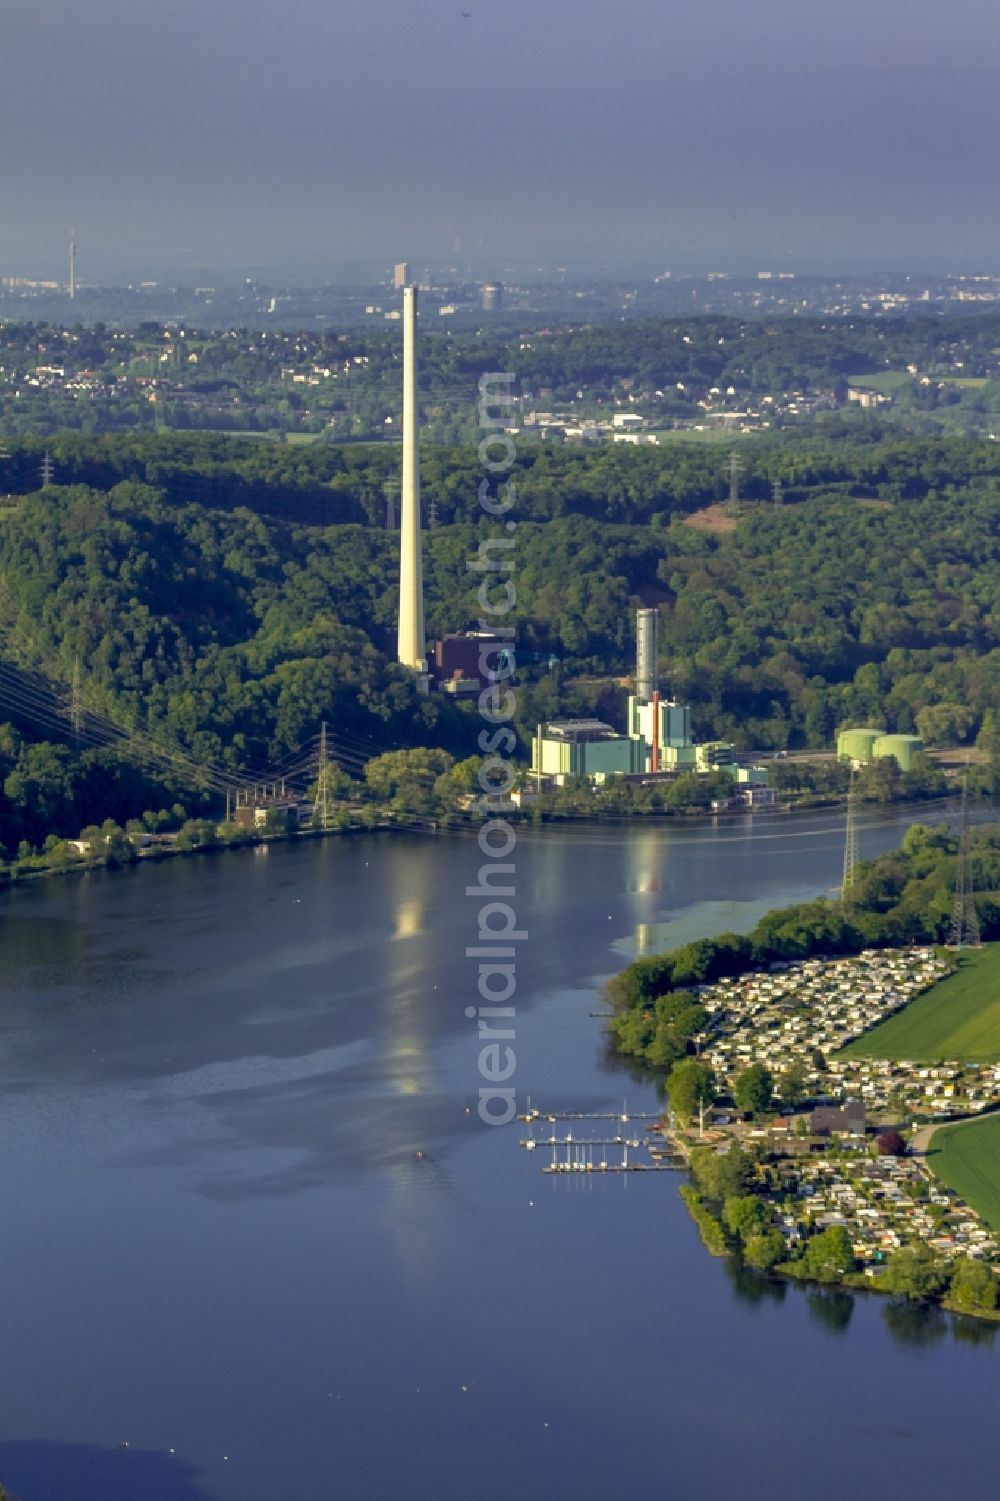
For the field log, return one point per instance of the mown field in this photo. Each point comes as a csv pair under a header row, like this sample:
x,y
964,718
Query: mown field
x,y
957,1019
967,1159
714,434
886,381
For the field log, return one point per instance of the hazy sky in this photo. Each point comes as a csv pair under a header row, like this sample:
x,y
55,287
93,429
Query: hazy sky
x,y
762,132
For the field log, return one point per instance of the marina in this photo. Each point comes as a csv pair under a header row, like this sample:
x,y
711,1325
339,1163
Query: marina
x,y
576,1154
579,1158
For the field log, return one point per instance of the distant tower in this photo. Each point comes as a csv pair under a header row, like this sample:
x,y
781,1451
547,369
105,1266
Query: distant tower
x,y
389,490
48,470
401,274
646,651
850,844
410,644
777,493
735,470
965,918
492,296
72,264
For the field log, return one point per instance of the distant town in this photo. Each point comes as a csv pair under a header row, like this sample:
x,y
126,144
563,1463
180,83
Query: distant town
x,y
704,359
463,294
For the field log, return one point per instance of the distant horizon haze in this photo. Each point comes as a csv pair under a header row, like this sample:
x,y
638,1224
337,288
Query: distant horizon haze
x,y
225,135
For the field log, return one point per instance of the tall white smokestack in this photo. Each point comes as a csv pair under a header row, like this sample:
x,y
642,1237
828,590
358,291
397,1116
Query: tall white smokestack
x,y
411,583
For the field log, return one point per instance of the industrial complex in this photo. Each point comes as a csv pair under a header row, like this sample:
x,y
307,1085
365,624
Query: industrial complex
x,y
659,740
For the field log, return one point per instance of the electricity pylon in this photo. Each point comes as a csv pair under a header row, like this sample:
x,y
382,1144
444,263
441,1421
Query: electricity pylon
x,y
322,795
964,919
850,843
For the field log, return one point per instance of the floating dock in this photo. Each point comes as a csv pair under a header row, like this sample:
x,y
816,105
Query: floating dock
x,y
612,1167
530,1143
575,1154
588,1115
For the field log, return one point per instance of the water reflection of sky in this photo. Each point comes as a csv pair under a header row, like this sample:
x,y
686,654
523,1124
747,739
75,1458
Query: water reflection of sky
x,y
215,1081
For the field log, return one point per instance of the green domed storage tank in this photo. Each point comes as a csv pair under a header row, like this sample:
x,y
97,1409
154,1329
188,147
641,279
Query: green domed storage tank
x,y
857,745
903,747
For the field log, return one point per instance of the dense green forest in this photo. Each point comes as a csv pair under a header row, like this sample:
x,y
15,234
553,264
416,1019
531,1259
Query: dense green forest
x,y
52,790
333,485
234,595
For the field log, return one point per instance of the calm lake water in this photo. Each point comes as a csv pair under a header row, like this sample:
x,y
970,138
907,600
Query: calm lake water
x,y
221,1249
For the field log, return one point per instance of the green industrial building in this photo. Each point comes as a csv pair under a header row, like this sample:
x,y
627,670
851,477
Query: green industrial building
x,y
591,748
585,748
671,721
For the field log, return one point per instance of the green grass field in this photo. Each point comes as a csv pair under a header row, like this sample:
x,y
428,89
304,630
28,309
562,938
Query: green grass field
x,y
714,434
958,1019
967,1159
888,381
885,381
231,432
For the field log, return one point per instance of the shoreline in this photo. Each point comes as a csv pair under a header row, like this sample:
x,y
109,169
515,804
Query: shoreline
x,y
12,876
781,1207
721,1246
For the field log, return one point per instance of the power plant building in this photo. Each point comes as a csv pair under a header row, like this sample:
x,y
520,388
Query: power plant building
x,y
585,748
659,737
467,662
673,728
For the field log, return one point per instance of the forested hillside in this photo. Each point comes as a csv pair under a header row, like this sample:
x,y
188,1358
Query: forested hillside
x,y
234,595
330,484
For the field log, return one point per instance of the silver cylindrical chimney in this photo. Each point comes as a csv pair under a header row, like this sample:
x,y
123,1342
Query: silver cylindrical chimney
x,y
646,651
